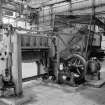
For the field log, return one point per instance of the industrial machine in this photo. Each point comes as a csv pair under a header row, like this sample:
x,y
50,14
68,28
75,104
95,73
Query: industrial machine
x,y
16,46
64,56
6,51
35,47
77,48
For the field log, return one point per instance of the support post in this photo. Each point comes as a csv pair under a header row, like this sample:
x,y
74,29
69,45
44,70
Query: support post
x,y
16,67
56,62
51,12
0,15
0,11
93,13
38,65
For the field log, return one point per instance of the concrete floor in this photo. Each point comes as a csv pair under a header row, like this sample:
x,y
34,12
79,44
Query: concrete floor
x,y
47,93
43,93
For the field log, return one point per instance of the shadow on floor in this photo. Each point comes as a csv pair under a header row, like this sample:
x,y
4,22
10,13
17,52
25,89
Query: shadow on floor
x,y
95,94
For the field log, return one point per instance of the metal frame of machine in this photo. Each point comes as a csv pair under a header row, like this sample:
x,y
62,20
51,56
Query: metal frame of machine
x,y
60,73
76,60
25,45
11,62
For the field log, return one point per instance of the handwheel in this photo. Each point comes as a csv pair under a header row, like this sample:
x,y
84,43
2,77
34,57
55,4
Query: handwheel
x,y
79,62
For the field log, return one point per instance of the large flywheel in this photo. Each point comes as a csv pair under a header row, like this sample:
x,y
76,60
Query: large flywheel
x,y
78,62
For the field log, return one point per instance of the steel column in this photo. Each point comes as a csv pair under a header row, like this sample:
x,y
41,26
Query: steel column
x,y
16,67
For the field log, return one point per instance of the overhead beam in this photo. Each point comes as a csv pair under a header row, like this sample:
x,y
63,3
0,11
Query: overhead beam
x,y
53,3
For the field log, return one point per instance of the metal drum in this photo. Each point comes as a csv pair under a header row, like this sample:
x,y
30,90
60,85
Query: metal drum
x,y
93,66
97,40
